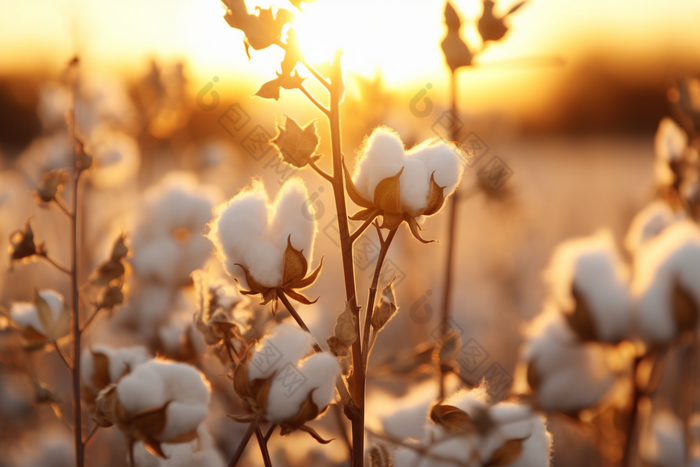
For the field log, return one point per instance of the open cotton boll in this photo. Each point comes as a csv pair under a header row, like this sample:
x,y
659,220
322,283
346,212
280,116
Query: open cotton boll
x,y
670,141
648,223
115,158
252,232
382,156
439,451
518,422
200,452
168,243
282,345
663,264
471,401
153,384
292,386
663,444
25,314
568,375
592,267
119,362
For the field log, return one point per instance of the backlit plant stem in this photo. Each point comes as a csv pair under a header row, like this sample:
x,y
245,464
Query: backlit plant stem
x,y
451,229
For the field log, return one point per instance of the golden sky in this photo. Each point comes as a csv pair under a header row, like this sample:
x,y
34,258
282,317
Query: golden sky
x,y
401,38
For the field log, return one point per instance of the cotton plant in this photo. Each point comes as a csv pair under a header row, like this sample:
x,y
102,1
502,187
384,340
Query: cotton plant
x,y
43,321
468,429
103,365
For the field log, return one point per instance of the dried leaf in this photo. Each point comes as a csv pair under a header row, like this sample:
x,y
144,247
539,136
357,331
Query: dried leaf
x,y
296,144
452,419
353,192
105,404
261,30
386,309
22,243
294,264
100,377
344,333
271,89
387,194
43,311
436,197
580,319
685,308
119,250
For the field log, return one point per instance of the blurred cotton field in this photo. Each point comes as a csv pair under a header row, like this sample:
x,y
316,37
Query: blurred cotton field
x,y
333,233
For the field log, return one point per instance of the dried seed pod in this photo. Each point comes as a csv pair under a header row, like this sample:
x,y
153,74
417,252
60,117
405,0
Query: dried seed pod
x,y
49,185
386,309
344,333
22,244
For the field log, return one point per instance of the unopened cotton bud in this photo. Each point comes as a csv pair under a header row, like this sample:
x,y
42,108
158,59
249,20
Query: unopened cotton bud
x,y
344,333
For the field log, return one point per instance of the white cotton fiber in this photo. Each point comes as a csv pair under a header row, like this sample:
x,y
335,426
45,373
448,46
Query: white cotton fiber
x,y
673,257
663,443
150,385
25,313
572,376
250,231
200,452
283,344
115,158
382,155
648,223
120,360
594,268
168,243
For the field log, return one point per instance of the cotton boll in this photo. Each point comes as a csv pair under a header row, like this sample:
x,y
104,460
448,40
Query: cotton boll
x,y
441,161
197,453
470,401
569,376
250,232
120,361
284,344
592,267
649,223
25,314
152,384
670,141
380,157
115,158
319,373
167,242
663,445
669,260
414,185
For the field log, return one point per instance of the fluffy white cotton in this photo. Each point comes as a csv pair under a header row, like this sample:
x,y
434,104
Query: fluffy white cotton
x,y
673,257
43,154
25,315
281,352
168,243
670,141
517,421
200,452
663,443
594,268
383,156
648,223
251,231
121,361
154,383
572,376
115,158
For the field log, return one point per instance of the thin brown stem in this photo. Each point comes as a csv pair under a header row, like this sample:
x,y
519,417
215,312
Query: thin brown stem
x,y
628,456
356,234
384,249
244,442
338,414
63,357
90,437
132,462
269,432
296,316
263,447
313,100
315,73
321,172
55,263
451,229
90,319
63,206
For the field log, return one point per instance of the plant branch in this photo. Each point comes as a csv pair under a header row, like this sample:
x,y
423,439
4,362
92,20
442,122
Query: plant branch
x,y
244,442
356,234
91,318
313,100
63,357
55,263
63,206
269,432
315,73
262,442
89,438
384,249
321,172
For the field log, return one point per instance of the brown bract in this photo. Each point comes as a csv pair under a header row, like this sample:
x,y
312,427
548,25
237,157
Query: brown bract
x,y
261,30
294,267
22,244
49,185
297,145
213,320
387,203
